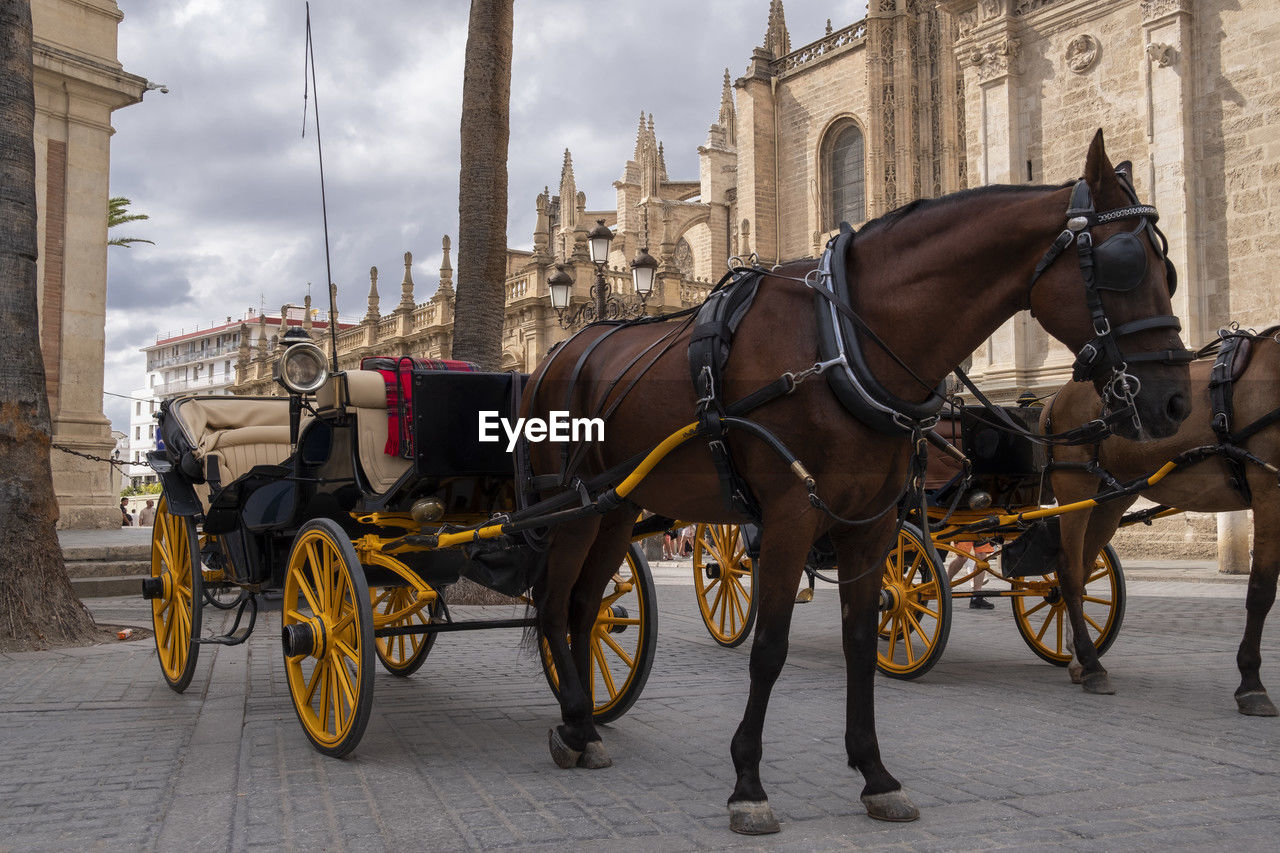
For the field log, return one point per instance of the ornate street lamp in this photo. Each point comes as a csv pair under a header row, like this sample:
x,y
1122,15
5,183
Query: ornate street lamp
x,y
603,304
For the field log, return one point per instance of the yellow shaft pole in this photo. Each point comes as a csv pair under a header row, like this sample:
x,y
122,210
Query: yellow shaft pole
x,y
670,443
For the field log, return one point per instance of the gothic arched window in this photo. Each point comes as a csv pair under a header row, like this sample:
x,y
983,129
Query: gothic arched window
x,y
845,174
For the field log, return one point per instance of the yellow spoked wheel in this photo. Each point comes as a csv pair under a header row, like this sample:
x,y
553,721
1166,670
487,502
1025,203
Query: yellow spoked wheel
x,y
175,611
915,609
400,606
328,638
724,581
623,640
1042,618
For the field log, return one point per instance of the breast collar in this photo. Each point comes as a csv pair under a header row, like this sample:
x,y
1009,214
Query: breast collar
x,y
840,331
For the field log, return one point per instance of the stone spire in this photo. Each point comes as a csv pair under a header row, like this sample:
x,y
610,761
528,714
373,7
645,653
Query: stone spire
x,y
262,334
649,157
568,193
372,316
406,305
776,38
306,313
242,355
640,139
446,271
728,119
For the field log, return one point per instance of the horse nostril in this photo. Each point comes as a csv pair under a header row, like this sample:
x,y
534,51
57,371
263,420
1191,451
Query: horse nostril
x,y
1177,408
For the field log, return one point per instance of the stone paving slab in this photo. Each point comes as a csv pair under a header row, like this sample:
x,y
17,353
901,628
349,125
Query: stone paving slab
x,y
997,748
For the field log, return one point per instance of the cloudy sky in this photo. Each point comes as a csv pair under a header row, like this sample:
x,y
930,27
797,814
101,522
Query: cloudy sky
x,y
232,188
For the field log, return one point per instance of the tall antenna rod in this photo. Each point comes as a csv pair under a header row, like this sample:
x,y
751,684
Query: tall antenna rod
x,y
309,61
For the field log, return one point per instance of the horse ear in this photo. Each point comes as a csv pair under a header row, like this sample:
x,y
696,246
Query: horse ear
x,y
1101,177
1096,165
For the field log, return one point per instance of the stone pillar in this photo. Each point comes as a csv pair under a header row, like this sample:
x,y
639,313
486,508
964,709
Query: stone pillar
x,y
1170,123
988,54
1233,542
78,83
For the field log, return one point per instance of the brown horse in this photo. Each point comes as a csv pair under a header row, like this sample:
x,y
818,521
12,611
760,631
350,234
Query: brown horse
x,y
936,278
1202,486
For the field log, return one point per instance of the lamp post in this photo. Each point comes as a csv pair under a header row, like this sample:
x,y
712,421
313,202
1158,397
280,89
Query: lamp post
x,y
603,305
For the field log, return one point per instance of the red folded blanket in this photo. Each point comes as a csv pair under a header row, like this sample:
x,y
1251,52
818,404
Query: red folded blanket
x,y
397,373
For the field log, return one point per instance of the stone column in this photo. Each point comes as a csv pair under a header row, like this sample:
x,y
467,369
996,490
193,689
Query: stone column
x,y
1233,542
988,53
1167,35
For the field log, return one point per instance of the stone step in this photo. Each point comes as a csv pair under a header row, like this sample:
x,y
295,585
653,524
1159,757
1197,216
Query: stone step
x,y
97,587
107,568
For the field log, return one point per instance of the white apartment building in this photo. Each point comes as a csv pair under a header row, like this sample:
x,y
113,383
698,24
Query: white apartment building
x,y
196,362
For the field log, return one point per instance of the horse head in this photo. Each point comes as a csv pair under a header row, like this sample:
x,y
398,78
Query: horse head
x,y
1123,329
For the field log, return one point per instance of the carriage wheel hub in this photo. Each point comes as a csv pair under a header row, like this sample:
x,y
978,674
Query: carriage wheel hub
x,y
308,637
891,597
712,571
617,611
158,587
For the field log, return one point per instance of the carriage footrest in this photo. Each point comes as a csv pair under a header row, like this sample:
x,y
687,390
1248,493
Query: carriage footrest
x,y
231,638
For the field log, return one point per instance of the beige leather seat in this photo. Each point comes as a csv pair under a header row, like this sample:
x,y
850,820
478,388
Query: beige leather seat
x,y
240,432
365,394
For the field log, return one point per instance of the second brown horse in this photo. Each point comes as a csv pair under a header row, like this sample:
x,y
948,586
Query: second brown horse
x,y
934,279
1201,486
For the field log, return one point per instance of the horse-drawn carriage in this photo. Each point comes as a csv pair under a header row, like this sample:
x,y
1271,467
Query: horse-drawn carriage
x,y
326,497
828,446
986,500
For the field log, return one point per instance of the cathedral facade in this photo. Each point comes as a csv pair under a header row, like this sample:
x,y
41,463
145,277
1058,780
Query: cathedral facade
x,y
921,98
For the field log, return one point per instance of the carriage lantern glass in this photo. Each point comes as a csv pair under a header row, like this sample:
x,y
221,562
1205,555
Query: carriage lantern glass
x,y
598,242
302,368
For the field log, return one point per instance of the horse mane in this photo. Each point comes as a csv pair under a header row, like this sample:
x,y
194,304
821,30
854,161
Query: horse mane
x,y
898,214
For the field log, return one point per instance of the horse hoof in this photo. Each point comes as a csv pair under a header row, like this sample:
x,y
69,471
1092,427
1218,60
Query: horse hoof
x,y
561,754
804,596
594,757
752,818
1098,683
892,806
1076,671
1256,704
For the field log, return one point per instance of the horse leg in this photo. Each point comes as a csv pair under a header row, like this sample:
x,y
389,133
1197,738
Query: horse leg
x,y
783,549
602,561
570,544
1251,696
860,580
1081,542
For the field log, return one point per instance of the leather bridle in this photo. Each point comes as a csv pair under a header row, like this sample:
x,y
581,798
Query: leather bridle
x,y
1118,264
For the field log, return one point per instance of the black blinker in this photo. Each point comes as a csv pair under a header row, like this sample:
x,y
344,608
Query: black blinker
x,y
1120,263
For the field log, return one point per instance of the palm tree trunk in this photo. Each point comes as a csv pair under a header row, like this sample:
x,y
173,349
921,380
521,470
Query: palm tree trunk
x,y
37,605
482,184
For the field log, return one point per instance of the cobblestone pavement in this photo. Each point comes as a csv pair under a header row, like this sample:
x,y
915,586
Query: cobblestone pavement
x,y
996,747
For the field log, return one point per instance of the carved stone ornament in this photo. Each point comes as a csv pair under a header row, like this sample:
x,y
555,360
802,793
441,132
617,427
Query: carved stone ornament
x,y
995,58
992,9
1082,53
1161,55
1155,9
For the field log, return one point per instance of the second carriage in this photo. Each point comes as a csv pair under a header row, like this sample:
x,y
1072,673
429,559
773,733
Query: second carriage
x,y
987,503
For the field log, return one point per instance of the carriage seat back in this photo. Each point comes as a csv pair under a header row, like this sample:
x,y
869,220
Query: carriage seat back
x,y
237,432
364,394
